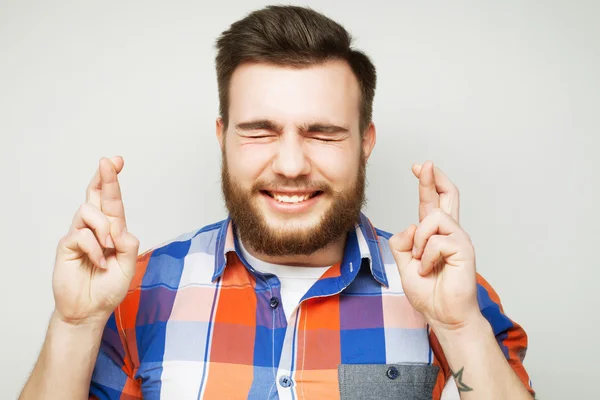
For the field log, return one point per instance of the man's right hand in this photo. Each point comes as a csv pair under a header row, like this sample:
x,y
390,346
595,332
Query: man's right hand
x,y
95,261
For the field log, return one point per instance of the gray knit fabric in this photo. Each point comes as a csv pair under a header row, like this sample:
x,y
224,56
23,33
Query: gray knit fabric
x,y
387,381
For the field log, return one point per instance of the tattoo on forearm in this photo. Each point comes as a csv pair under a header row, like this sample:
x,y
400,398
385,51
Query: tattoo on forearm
x,y
459,383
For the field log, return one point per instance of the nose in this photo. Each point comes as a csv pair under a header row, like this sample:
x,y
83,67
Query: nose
x,y
290,160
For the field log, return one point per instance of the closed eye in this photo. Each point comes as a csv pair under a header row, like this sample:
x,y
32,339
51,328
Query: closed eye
x,y
327,136
326,132
326,139
258,136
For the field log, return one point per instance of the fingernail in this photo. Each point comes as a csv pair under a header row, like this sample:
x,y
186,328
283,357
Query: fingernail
x,y
109,243
103,262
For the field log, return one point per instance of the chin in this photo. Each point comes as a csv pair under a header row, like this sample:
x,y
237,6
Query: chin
x,y
292,222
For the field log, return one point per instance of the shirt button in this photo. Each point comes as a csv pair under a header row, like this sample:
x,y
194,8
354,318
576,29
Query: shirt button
x,y
285,381
392,372
274,302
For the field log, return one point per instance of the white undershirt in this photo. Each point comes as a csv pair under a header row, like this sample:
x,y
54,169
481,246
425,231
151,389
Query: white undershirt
x,y
295,280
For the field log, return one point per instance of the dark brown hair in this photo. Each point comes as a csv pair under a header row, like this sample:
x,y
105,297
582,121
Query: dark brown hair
x,y
291,36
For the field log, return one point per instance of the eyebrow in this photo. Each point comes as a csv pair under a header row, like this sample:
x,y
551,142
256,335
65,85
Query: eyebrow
x,y
265,124
262,124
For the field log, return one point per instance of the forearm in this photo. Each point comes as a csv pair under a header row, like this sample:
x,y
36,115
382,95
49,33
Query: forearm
x,y
66,362
478,365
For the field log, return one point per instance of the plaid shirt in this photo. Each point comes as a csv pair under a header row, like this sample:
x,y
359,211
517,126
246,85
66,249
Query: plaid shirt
x,y
200,323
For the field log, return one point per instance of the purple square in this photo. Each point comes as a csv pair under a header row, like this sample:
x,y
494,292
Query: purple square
x,y
156,305
360,312
112,346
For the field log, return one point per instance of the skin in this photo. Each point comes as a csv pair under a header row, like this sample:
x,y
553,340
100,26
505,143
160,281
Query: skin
x,y
95,261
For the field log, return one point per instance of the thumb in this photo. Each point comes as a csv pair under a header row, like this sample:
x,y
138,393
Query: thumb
x,y
401,245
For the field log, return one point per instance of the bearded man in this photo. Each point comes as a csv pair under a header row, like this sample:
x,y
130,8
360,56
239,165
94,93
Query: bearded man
x,y
296,294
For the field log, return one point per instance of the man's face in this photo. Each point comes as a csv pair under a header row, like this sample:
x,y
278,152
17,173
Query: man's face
x,y
293,172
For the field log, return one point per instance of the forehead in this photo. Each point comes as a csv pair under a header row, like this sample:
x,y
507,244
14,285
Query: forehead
x,y
327,92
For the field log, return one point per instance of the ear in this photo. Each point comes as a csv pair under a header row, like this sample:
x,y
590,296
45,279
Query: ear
x,y
220,131
368,140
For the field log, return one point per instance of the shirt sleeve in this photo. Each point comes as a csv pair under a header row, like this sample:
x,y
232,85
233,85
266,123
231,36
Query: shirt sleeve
x,y
113,376
511,337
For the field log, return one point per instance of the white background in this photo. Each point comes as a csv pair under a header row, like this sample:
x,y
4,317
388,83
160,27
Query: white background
x,y
503,96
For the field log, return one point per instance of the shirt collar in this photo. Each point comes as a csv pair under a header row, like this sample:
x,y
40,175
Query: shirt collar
x,y
364,241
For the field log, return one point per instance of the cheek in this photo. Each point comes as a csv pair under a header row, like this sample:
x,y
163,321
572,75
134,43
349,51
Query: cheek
x,y
338,163
246,162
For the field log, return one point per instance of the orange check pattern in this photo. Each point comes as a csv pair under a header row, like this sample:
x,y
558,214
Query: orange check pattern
x,y
198,323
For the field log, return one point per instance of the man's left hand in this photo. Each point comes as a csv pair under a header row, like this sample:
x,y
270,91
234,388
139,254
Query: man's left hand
x,y
436,259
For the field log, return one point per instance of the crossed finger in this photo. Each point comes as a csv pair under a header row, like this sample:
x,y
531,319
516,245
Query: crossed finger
x,y
436,223
438,237
110,197
94,190
436,191
90,217
104,193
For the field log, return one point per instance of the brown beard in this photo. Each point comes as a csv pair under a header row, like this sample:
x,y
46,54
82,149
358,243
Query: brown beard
x,y
340,218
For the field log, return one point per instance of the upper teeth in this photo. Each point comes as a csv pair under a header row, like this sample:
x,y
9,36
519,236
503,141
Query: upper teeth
x,y
291,199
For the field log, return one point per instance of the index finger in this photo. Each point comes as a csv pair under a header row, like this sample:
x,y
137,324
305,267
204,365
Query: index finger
x,y
94,189
111,201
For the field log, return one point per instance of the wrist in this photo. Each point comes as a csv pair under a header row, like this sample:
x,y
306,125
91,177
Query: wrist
x,y
66,362
81,326
472,330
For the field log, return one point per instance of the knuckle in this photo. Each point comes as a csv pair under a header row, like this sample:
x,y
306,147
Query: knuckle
x,y
84,209
435,241
136,242
468,248
471,247
464,237
463,240
85,212
421,243
63,241
104,223
86,234
419,232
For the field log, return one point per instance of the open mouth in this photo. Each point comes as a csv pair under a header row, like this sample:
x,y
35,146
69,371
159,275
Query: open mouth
x,y
288,198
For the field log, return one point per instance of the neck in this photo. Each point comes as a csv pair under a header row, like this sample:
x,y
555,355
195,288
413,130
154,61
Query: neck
x,y
328,255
